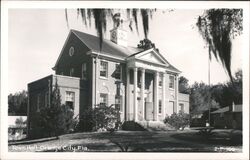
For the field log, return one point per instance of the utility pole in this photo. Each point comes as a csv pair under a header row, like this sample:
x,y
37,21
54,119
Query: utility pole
x,y
209,103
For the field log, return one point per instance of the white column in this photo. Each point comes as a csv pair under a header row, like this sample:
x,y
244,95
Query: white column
x,y
156,83
163,95
94,82
127,95
135,95
177,93
142,92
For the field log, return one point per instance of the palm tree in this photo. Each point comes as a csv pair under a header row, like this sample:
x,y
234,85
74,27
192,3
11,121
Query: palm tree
x,y
218,27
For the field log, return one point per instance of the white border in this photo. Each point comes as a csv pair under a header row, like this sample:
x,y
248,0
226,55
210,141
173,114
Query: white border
x,y
123,4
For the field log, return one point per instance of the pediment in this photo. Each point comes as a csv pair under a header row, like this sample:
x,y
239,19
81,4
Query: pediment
x,y
152,56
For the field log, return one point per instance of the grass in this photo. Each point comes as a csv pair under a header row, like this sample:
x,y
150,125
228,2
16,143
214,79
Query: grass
x,y
133,141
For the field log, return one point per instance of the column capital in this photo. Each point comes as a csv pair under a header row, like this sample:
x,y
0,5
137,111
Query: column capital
x,y
142,69
156,73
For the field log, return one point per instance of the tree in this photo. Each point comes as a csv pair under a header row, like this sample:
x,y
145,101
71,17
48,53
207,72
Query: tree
x,y
56,119
20,122
101,15
218,27
17,103
146,44
201,99
226,94
183,85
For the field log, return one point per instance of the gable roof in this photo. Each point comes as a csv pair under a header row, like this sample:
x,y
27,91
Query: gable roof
x,y
108,47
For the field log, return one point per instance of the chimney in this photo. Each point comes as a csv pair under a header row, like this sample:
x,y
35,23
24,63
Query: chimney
x,y
118,35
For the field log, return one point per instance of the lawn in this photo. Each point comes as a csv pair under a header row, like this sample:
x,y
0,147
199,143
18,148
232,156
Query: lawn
x,y
136,141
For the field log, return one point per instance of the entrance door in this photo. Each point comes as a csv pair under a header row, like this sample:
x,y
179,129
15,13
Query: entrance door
x,y
149,111
170,108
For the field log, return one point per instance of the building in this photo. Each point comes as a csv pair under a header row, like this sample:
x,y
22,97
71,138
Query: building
x,y
141,82
228,117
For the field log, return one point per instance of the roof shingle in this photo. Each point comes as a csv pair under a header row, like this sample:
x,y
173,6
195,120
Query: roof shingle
x,y
108,47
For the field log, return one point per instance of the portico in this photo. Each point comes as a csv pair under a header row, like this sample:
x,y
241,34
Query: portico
x,y
146,87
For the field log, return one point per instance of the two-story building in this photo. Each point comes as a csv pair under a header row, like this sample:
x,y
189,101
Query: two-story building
x,y
142,82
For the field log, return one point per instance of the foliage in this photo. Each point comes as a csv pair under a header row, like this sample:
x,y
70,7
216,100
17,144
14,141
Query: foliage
x,y
101,118
183,85
147,44
178,120
17,103
218,27
56,119
226,94
105,117
102,15
85,123
20,122
201,99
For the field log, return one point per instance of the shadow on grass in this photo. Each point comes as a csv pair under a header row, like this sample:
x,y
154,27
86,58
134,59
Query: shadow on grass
x,y
225,139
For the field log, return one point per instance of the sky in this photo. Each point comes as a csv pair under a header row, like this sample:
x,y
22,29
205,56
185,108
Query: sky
x,y
36,38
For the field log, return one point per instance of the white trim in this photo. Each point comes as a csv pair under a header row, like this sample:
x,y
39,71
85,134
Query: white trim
x,y
57,75
138,56
106,56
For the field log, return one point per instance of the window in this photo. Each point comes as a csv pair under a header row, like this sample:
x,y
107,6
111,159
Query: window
x,y
160,106
104,69
171,82
104,99
47,99
70,99
84,71
118,102
181,105
38,103
118,71
160,80
71,51
71,72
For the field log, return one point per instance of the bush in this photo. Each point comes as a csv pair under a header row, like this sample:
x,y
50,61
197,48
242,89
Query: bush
x,y
54,120
101,118
178,121
85,122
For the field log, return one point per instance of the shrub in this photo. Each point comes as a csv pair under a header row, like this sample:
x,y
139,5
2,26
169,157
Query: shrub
x,y
101,118
179,121
85,123
54,120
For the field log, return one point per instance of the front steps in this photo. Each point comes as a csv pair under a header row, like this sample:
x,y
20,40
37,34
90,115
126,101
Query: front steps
x,y
146,125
